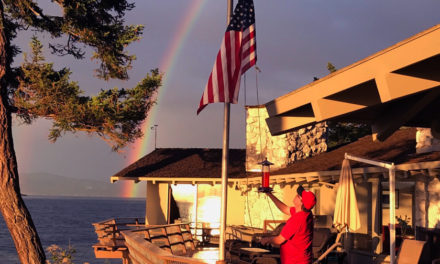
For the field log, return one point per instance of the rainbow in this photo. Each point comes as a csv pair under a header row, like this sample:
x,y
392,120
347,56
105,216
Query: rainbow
x,y
166,66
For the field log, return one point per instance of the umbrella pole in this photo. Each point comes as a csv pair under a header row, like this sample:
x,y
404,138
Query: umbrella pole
x,y
392,178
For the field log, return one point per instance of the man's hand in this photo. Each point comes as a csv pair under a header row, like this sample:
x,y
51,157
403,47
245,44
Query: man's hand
x,y
266,240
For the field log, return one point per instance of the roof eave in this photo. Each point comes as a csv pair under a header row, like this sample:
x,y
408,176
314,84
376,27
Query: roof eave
x,y
380,78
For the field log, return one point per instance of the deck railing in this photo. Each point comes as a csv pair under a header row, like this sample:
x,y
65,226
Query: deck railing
x,y
176,242
170,244
108,231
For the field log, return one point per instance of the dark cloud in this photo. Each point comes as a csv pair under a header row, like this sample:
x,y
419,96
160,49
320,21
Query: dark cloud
x,y
295,40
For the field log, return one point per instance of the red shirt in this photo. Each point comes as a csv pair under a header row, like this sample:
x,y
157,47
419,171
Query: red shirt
x,y
298,232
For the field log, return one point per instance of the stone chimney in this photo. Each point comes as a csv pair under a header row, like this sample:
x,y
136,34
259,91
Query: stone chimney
x,y
425,141
283,149
260,143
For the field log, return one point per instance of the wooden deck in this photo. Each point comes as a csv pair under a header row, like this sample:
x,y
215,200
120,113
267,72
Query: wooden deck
x,y
111,243
131,241
168,244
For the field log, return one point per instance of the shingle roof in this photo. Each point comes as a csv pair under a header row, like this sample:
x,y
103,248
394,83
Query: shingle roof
x,y
206,163
399,148
186,163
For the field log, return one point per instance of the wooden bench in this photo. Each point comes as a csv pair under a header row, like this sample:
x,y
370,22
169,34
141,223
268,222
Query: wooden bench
x,y
111,243
161,244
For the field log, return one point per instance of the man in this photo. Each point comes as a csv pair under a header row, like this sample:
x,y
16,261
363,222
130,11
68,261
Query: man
x,y
296,236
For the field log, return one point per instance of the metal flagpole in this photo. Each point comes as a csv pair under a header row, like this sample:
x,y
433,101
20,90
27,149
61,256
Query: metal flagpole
x,y
225,160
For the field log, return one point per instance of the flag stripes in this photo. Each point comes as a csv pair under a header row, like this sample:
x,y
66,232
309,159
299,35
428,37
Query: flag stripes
x,y
236,55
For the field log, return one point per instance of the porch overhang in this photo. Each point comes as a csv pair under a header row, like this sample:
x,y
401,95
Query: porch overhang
x,y
173,180
404,172
398,86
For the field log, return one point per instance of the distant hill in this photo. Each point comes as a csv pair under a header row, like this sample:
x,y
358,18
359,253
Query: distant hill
x,y
50,184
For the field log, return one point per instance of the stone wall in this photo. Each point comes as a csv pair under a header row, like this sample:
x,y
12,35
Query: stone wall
x,y
283,149
307,142
260,143
259,207
425,141
427,204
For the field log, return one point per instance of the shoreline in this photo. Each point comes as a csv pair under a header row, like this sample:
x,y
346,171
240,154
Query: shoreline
x,y
43,196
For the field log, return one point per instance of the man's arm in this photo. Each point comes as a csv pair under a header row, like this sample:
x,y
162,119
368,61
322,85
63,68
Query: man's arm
x,y
282,206
274,240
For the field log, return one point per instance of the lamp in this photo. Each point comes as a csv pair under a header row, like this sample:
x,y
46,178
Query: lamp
x,y
265,171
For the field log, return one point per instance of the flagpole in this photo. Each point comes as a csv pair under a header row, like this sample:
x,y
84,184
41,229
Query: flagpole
x,y
225,160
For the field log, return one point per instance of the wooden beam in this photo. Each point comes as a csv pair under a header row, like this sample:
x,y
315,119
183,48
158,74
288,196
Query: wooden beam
x,y
281,124
394,85
419,166
310,179
327,108
352,99
383,67
384,126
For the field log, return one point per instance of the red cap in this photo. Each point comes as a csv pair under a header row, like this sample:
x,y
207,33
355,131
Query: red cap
x,y
308,198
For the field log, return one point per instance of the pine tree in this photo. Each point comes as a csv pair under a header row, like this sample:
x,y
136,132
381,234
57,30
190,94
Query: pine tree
x,y
35,89
331,68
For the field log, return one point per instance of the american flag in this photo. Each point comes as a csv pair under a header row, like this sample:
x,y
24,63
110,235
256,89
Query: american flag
x,y
236,55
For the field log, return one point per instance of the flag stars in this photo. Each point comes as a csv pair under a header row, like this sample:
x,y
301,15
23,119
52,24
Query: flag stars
x,y
243,16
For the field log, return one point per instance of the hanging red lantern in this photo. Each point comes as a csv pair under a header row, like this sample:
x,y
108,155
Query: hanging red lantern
x,y
265,171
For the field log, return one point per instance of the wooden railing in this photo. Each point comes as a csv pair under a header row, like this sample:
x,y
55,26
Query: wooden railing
x,y
242,233
170,244
130,240
108,231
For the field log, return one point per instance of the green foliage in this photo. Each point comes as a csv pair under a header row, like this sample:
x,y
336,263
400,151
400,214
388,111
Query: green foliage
x,y
36,89
404,225
59,255
114,115
343,133
331,68
340,133
99,24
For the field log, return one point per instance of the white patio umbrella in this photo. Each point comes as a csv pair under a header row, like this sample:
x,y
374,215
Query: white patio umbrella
x,y
392,180
346,213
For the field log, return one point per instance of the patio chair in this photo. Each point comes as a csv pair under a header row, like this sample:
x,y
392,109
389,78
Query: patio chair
x,y
322,238
208,239
412,252
236,255
336,244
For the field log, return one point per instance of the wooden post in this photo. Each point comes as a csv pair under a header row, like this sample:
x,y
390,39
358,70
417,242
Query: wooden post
x,y
169,205
392,180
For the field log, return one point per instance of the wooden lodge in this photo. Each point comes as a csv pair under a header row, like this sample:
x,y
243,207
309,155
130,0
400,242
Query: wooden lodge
x,y
396,91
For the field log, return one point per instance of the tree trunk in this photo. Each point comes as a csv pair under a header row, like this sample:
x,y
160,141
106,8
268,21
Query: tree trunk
x,y
15,213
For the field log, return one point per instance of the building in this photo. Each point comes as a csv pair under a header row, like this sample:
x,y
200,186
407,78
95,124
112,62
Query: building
x,y
392,90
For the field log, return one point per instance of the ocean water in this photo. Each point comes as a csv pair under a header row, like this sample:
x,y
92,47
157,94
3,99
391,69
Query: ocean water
x,y
68,220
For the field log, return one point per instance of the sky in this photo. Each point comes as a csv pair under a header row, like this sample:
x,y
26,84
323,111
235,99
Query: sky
x,y
295,41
